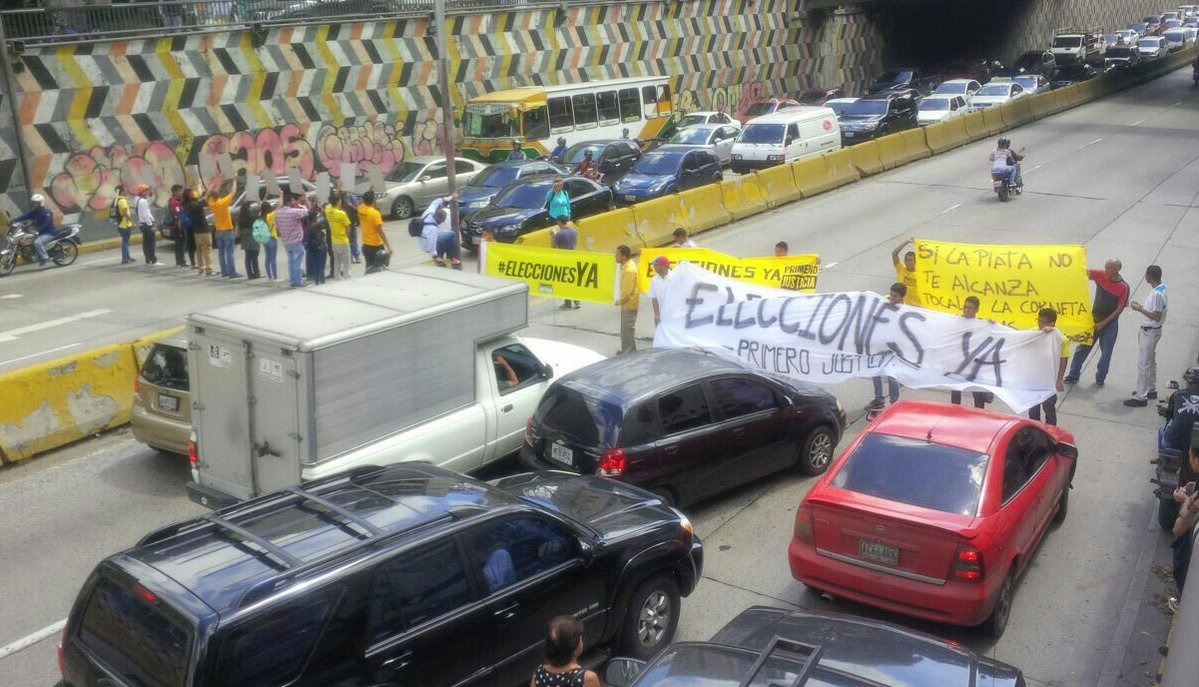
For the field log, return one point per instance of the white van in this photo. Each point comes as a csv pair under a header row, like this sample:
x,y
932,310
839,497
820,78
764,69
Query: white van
x,y
785,136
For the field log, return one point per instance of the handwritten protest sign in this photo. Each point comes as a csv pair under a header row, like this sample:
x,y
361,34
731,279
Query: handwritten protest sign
x,y
568,274
1012,283
791,272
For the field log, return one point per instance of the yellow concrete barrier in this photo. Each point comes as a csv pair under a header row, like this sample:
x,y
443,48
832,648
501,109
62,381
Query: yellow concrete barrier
x,y
867,157
824,172
908,146
993,120
778,185
542,238
976,126
946,135
607,230
841,169
1018,112
743,196
654,221
1042,104
703,209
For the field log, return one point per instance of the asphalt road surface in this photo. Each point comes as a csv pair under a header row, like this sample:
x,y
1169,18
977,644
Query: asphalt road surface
x,y
1118,175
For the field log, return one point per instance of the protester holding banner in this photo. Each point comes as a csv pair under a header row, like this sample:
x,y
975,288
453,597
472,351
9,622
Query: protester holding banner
x,y
780,249
658,286
1111,297
566,237
629,298
895,297
1047,322
905,271
681,240
981,398
1153,316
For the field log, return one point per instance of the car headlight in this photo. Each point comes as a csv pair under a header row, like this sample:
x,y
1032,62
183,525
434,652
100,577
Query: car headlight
x,y
736,156
510,230
478,204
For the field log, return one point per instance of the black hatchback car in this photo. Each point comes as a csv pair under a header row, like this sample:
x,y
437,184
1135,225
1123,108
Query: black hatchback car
x,y
682,423
770,646
520,207
615,158
405,575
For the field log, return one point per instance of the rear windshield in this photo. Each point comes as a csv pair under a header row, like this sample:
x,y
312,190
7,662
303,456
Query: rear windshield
x,y
142,639
166,366
934,105
582,418
915,472
995,89
1120,52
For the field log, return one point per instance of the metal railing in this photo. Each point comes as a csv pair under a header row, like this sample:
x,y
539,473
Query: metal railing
x,y
59,23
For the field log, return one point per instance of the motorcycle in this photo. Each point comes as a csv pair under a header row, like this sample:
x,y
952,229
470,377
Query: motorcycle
x,y
63,249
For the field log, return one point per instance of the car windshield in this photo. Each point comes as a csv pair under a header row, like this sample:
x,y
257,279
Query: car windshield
x,y
763,133
714,665
405,172
840,108
995,89
658,164
952,88
583,418
166,366
495,176
895,76
138,635
1120,52
1147,43
697,136
1067,41
915,472
692,119
1113,38
758,109
574,154
1028,83
934,104
524,196
868,107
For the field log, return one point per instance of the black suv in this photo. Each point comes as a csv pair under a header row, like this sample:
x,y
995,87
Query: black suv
x,y
615,158
405,575
682,423
873,116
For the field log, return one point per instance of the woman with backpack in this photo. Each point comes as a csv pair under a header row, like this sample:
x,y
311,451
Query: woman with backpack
x,y
264,234
245,233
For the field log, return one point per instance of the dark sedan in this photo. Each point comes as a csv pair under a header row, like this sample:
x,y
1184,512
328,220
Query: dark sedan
x,y
1122,57
614,157
877,115
520,207
1072,74
667,170
681,423
484,186
805,648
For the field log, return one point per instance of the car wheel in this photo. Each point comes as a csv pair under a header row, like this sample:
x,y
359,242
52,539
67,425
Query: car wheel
x,y
1063,505
6,266
651,619
997,622
816,452
65,253
1167,513
402,208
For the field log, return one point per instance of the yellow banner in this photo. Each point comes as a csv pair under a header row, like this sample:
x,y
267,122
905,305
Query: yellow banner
x,y
568,274
1012,283
792,272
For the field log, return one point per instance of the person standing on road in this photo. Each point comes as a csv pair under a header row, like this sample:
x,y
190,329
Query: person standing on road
x,y
316,230
222,220
349,204
629,299
1153,317
659,286
905,271
557,201
339,236
124,223
266,210
566,237
194,207
895,297
289,220
981,398
261,231
681,240
249,244
1047,322
145,222
1111,296
563,647
371,223
175,228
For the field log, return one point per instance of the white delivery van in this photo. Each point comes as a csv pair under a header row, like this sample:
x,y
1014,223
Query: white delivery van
x,y
785,136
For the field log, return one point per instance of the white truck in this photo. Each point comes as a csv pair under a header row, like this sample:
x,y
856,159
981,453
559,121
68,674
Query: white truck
x,y
415,364
1077,46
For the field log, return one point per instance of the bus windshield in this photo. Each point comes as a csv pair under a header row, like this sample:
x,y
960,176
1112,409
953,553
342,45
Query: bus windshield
x,y
485,122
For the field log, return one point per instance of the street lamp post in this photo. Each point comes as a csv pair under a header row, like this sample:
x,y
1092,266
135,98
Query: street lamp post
x,y
447,115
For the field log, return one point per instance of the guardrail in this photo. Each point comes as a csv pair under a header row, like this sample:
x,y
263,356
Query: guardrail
x,y
150,18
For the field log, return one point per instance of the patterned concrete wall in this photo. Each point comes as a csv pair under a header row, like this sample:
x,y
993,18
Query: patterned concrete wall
x,y
1035,27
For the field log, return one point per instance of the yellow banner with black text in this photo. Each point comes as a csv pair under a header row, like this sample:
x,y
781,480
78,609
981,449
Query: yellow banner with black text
x,y
790,272
567,274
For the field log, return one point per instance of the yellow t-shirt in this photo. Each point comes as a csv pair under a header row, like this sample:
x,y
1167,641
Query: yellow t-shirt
x,y
125,221
221,217
908,279
270,222
371,223
339,224
629,294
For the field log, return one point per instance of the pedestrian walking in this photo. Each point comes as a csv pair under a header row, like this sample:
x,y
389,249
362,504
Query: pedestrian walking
x,y
222,220
289,221
557,201
781,249
145,222
981,398
371,223
266,211
124,221
895,296
905,271
563,647
316,238
1047,322
566,237
629,298
1153,317
659,286
339,236
681,240
174,226
1111,297
194,207
249,244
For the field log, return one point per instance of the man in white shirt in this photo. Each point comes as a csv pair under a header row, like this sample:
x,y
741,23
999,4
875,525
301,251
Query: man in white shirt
x,y
659,285
145,222
1153,316
681,240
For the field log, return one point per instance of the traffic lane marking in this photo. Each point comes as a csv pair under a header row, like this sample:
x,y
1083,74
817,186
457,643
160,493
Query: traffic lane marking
x,y
14,334
34,355
32,638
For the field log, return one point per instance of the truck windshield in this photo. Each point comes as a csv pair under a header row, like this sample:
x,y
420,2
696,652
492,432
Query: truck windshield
x,y
1067,41
137,634
763,133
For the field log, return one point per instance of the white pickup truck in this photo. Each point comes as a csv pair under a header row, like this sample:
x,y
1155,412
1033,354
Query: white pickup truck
x,y
1077,46
417,364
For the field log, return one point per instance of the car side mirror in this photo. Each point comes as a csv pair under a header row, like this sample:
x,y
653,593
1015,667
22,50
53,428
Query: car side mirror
x,y
547,371
622,672
586,551
425,178
1067,450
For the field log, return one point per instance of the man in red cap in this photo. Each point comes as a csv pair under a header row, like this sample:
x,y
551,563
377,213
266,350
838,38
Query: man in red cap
x,y
659,285
145,222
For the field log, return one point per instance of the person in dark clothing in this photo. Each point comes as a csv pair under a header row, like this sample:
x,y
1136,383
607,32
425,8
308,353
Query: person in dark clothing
x,y
981,398
314,245
175,228
1187,496
1111,296
245,234
194,206
566,237
43,223
1047,322
1184,411
563,647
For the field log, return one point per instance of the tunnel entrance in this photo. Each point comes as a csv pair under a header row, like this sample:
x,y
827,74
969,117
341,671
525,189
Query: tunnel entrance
x,y
940,33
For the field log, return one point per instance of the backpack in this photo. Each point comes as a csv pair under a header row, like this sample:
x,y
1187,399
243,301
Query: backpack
x,y
114,211
185,219
262,233
415,227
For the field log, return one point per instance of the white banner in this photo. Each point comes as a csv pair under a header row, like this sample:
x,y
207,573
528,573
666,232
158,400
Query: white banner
x,y
831,337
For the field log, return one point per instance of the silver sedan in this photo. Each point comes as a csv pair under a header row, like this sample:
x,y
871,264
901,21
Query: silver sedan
x,y
718,138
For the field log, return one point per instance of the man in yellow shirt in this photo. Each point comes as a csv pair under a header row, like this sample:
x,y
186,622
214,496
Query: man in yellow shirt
x,y
628,300
371,223
222,221
905,271
339,225
124,224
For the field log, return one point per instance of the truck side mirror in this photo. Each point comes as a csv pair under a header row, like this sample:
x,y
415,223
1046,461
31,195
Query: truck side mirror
x,y
622,672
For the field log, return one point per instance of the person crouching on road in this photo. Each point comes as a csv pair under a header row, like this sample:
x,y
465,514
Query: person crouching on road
x,y
566,237
563,647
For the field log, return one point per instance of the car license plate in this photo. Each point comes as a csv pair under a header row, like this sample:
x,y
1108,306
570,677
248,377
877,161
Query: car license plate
x,y
878,552
631,199
168,402
561,454
850,134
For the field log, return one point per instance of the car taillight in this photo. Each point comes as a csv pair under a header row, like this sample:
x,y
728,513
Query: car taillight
x,y
137,385
612,463
803,526
967,564
62,670
148,597
191,453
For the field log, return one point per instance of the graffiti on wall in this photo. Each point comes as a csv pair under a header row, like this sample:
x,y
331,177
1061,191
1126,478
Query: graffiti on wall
x,y
263,153
89,179
731,98
368,145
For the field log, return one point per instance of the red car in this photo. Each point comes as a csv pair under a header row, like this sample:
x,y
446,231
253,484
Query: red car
x,y
934,511
765,107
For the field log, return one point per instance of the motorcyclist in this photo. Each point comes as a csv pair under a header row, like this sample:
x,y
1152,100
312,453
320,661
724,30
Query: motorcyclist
x,y
558,154
1006,161
43,222
517,153
589,167
1184,411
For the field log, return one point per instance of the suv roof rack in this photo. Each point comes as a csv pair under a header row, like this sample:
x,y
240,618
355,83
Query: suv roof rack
x,y
783,644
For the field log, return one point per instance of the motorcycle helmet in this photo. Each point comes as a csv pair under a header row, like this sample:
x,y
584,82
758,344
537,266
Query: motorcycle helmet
x,y
383,259
1004,142
37,198
1191,376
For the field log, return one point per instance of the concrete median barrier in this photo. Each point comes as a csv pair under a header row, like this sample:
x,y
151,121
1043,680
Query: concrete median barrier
x,y
607,230
993,121
743,196
1017,113
1041,104
703,209
867,157
778,185
908,146
542,238
825,172
946,135
654,221
976,128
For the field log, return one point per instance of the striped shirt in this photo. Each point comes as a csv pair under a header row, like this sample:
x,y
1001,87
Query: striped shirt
x,y
289,222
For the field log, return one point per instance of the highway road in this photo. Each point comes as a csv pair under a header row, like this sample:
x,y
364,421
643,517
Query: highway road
x,y
1120,176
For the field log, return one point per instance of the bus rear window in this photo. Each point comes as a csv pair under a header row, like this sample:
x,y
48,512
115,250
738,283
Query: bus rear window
x,y
136,634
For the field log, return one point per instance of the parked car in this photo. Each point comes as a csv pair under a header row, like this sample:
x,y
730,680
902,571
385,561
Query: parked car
x,y
974,70
1191,22
877,115
840,105
843,650
998,93
162,408
1032,83
1072,74
818,96
1122,57
1128,37
478,192
519,207
902,78
614,157
1141,29
963,87
1152,48
787,136
379,576
1111,40
667,170
683,424
940,108
715,138
414,183
693,118
934,511
765,107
